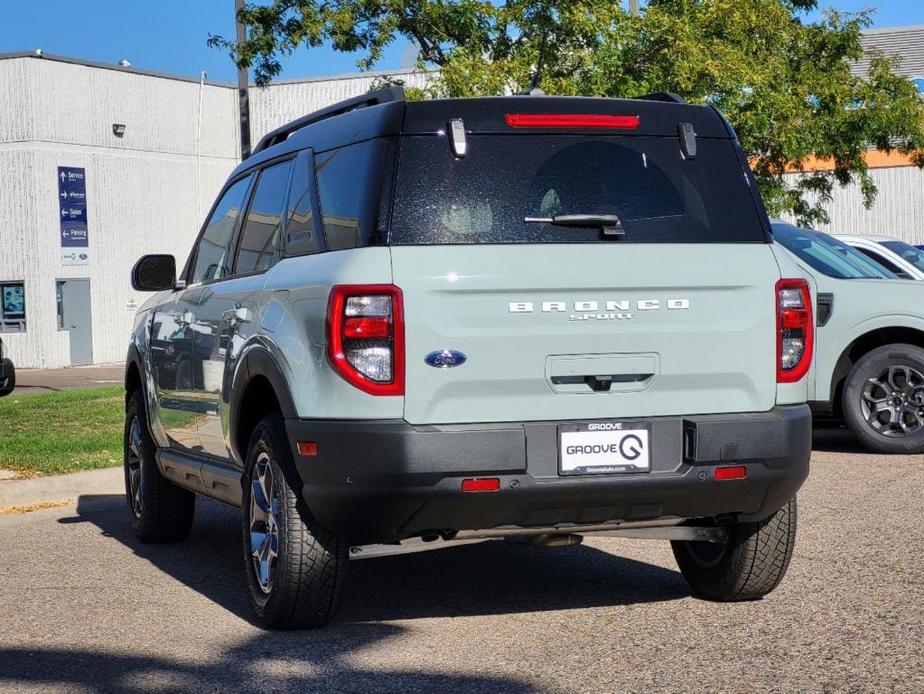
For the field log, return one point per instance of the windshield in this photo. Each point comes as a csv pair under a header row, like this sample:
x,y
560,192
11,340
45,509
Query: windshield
x,y
913,255
811,248
487,195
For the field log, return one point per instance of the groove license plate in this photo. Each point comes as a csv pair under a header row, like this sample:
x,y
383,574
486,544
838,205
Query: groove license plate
x,y
604,447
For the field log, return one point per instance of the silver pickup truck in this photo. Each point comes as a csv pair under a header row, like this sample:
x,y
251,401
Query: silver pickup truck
x,y
409,325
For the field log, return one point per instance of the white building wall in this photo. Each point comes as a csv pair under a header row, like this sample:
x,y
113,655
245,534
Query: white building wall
x,y
898,210
146,192
273,106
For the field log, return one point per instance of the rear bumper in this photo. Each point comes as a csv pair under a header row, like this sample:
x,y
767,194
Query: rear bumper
x,y
383,481
7,377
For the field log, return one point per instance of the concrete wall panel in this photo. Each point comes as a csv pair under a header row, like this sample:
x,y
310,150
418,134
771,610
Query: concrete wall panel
x,y
898,210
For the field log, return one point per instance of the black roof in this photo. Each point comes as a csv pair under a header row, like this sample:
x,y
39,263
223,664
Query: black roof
x,y
386,112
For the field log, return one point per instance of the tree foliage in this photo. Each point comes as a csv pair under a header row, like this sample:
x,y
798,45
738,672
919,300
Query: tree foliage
x,y
784,83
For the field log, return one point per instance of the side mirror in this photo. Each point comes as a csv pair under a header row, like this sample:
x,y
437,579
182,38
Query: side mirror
x,y
154,273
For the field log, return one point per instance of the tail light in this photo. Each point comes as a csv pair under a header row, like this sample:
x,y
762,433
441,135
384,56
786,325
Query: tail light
x,y
794,330
365,336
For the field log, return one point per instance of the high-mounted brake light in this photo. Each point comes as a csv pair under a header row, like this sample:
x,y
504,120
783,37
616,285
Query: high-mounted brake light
x,y
571,120
795,330
365,336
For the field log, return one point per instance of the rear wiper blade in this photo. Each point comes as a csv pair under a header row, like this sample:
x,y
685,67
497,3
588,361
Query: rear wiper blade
x,y
608,223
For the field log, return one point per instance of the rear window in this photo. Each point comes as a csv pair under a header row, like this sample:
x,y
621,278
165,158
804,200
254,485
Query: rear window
x,y
486,196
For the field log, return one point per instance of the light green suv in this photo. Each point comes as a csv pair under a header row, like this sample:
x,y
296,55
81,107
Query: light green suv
x,y
869,353
411,324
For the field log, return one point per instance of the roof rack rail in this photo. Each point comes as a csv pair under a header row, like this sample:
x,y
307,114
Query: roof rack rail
x,y
663,96
381,96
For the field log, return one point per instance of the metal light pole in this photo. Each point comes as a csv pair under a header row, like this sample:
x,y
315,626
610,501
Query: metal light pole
x,y
633,8
243,84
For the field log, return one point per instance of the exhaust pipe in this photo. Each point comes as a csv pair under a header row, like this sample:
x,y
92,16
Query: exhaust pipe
x,y
556,540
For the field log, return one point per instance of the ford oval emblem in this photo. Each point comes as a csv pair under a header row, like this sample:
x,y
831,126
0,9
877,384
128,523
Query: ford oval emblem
x,y
445,359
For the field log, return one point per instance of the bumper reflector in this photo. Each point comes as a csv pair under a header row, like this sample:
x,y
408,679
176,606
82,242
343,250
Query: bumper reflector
x,y
737,472
309,449
486,484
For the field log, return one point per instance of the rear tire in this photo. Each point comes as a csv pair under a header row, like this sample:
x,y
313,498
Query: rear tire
x,y
159,510
749,565
295,568
883,399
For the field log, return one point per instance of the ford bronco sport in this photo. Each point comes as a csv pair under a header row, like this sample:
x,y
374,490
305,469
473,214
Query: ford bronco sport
x,y
869,354
409,325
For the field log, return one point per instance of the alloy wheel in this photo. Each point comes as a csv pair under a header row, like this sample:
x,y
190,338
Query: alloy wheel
x,y
264,522
893,401
133,462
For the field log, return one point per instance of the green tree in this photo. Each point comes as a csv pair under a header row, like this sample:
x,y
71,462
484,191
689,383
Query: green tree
x,y
783,82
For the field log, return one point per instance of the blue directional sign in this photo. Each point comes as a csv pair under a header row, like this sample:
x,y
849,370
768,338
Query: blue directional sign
x,y
72,207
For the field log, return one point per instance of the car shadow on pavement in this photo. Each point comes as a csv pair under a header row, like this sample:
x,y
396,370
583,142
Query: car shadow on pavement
x,y
833,437
479,579
274,661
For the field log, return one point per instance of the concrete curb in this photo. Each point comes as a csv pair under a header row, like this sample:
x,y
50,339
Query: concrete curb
x,y
38,490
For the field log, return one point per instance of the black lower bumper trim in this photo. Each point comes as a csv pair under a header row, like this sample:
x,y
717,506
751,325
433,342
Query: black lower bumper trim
x,y
383,481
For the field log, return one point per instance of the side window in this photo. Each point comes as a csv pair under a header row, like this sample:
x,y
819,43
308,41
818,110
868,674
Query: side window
x,y
349,188
213,253
885,262
258,248
301,238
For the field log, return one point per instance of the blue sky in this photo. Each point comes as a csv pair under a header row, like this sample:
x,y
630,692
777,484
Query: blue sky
x,y
170,35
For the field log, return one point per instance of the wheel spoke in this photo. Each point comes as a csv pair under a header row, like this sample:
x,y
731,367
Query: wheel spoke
x,y
893,401
872,386
897,377
133,464
264,522
136,441
911,420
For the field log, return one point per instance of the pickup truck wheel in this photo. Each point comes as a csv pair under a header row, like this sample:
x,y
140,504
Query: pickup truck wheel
x,y
159,510
883,399
295,568
750,564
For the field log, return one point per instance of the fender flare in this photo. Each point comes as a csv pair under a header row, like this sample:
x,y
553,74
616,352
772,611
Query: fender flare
x,y
858,332
133,358
254,363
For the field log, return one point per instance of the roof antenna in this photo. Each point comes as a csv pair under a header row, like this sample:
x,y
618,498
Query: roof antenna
x,y
534,89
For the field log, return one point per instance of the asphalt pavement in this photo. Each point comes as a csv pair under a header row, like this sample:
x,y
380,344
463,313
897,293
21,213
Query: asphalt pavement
x,y
86,608
32,381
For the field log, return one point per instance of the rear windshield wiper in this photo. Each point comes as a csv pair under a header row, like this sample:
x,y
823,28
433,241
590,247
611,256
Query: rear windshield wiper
x,y
608,223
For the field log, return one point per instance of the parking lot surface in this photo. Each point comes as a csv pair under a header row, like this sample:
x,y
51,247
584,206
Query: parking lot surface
x,y
32,381
84,607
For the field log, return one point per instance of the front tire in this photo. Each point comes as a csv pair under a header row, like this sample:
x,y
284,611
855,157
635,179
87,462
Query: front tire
x,y
159,510
883,399
295,568
749,565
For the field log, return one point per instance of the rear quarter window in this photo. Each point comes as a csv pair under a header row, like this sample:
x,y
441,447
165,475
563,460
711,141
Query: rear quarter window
x,y
485,197
349,183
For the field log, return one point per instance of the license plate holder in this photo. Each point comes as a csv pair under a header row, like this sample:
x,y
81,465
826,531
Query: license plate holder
x,y
604,448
